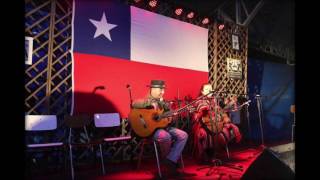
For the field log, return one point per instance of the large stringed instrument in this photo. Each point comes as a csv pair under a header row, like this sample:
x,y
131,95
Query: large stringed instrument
x,y
215,124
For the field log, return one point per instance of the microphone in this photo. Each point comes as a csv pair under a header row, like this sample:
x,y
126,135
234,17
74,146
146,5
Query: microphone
x,y
101,87
98,87
257,96
247,103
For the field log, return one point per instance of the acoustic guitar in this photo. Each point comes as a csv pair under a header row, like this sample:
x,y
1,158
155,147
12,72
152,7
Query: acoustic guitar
x,y
145,121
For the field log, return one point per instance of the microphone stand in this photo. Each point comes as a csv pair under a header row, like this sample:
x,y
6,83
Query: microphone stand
x,y
259,105
129,88
131,107
248,119
178,96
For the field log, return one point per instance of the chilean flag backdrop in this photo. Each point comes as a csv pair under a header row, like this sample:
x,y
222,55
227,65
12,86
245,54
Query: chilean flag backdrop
x,y
115,45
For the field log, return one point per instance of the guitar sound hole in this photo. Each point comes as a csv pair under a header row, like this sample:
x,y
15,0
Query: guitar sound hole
x,y
155,117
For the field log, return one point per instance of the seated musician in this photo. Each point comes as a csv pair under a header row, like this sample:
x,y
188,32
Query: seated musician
x,y
231,105
204,126
171,152
230,130
209,125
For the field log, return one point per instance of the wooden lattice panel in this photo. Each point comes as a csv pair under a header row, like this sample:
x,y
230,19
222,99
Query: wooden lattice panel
x,y
48,82
48,79
220,48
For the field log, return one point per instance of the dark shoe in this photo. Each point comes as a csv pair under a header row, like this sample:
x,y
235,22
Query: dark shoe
x,y
170,168
204,162
170,164
179,174
179,165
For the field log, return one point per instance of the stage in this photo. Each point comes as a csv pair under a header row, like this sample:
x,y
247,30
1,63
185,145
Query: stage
x,y
102,78
240,157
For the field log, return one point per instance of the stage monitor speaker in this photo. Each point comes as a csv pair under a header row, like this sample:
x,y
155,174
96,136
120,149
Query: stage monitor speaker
x,y
268,165
286,153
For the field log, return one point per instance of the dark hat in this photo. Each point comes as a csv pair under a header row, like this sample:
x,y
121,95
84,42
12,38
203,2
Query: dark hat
x,y
157,84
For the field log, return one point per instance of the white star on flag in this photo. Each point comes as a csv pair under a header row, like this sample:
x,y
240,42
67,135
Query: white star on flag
x,y
103,27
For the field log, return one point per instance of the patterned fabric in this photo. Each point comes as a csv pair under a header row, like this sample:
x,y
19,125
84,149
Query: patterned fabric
x,y
201,134
201,139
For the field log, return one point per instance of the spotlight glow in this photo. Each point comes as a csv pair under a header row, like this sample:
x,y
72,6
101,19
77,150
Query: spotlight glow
x,y
190,15
178,11
205,21
153,3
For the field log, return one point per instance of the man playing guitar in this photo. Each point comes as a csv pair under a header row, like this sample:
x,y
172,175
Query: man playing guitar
x,y
164,136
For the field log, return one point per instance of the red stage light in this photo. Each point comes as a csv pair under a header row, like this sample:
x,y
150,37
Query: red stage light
x,y
190,15
221,26
153,3
205,21
178,11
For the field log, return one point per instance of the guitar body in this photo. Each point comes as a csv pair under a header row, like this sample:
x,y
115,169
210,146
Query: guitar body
x,y
144,121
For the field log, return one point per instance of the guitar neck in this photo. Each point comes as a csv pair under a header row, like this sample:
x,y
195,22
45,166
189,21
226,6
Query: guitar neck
x,y
165,115
239,107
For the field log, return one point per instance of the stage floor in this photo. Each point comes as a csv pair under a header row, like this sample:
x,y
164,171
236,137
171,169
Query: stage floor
x,y
239,158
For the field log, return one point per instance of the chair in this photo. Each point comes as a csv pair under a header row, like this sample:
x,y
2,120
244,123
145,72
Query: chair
x,y
154,142
42,127
81,122
105,120
232,139
108,120
227,150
